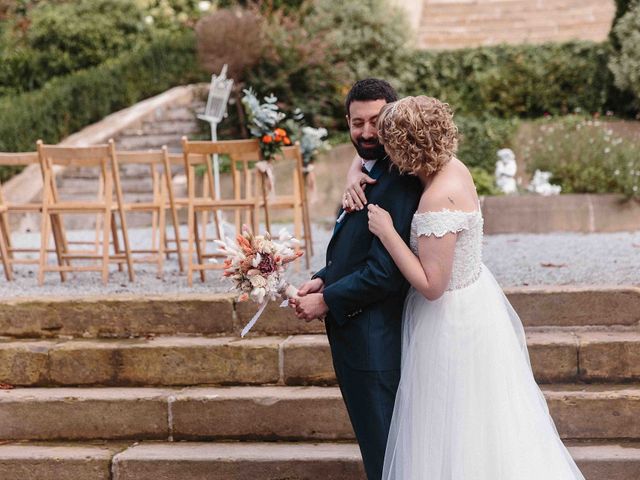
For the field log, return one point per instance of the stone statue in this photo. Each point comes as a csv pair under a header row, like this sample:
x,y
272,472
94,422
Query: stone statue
x,y
505,172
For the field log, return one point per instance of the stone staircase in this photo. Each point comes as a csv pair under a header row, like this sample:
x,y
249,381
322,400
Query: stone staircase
x,y
162,387
447,24
164,125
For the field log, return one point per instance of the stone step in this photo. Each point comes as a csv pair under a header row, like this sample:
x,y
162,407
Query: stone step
x,y
144,142
181,126
557,356
269,413
215,314
239,461
57,461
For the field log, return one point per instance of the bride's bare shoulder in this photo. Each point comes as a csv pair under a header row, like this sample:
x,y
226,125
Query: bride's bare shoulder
x,y
452,188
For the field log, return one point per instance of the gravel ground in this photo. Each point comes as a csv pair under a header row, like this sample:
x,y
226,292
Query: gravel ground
x,y
515,260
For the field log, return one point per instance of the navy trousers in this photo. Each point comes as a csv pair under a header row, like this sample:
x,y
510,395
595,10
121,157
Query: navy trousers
x,y
369,397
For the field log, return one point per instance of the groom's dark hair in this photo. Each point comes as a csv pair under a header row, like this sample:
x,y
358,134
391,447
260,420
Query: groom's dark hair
x,y
370,89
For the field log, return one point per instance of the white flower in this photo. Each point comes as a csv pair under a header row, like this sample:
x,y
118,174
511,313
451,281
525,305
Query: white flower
x,y
256,261
148,20
258,294
204,6
258,281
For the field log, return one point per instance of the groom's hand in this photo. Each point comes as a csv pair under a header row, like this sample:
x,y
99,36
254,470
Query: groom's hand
x,y
315,285
310,307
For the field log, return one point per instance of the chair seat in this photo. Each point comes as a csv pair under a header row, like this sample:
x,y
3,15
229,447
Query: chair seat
x,y
79,207
142,206
205,202
23,207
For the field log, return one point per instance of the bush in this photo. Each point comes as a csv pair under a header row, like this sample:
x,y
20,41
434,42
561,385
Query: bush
x,y
625,63
523,81
585,156
485,182
67,104
480,139
233,37
313,55
61,39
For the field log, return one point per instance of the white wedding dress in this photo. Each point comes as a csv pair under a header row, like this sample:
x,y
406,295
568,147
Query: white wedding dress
x,y
468,407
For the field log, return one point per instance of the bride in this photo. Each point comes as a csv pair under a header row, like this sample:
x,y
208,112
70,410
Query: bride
x,y
468,407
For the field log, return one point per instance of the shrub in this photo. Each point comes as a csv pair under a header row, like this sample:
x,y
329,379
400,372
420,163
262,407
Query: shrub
x,y
296,68
522,80
485,182
65,105
480,139
233,37
625,63
55,45
585,156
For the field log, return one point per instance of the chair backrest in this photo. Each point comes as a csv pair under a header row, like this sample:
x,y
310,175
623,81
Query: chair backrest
x,y
101,157
155,160
242,154
15,161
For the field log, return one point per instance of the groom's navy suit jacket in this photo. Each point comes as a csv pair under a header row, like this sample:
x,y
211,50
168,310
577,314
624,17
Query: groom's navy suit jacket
x,y
364,289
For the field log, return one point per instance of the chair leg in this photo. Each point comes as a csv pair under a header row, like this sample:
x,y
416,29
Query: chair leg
x,y
116,240
44,245
176,235
198,247
60,242
161,240
190,243
105,245
6,232
6,261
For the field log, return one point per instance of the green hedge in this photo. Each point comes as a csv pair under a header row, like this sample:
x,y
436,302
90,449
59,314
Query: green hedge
x,y
521,81
67,104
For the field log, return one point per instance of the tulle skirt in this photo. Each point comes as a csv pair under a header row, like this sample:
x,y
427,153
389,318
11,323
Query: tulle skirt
x,y
468,407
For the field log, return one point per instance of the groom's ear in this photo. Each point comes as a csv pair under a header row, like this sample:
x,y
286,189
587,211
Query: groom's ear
x,y
348,120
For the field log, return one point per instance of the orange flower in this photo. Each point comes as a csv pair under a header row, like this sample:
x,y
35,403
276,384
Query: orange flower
x,y
278,138
267,139
287,141
281,132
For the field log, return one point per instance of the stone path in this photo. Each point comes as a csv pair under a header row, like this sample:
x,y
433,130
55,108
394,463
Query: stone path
x,y
515,260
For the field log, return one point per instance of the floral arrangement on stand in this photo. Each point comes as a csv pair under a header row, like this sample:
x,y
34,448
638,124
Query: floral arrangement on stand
x,y
263,120
256,264
271,126
311,143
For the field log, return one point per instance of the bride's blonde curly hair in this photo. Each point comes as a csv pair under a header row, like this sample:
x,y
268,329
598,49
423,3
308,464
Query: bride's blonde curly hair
x,y
418,133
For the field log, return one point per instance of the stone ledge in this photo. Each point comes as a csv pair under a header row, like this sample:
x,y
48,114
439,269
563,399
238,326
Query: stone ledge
x,y
118,316
583,412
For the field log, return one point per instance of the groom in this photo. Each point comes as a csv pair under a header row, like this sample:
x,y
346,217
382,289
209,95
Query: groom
x,y
360,290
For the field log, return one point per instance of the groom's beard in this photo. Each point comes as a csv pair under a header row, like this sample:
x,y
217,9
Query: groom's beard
x,y
369,149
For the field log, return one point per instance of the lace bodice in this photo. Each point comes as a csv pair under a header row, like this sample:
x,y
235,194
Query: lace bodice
x,y
467,258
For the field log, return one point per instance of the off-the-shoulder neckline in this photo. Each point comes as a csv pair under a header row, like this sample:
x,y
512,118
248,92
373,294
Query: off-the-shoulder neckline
x,y
446,210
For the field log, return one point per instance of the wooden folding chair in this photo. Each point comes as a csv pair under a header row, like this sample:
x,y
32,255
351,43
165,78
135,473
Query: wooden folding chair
x,y
163,200
23,159
103,158
290,162
242,154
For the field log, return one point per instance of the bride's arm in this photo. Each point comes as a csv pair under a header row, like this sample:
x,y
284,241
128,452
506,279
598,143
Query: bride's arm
x,y
429,273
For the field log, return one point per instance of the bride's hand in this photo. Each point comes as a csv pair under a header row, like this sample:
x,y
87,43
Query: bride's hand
x,y
380,222
354,197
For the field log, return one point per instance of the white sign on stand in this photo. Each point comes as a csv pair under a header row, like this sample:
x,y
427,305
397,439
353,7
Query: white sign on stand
x,y
215,111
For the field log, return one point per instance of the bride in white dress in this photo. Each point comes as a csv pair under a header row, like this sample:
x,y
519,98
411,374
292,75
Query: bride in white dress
x,y
468,407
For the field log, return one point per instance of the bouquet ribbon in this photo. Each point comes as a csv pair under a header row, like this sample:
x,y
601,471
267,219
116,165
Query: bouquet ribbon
x,y
288,291
255,318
